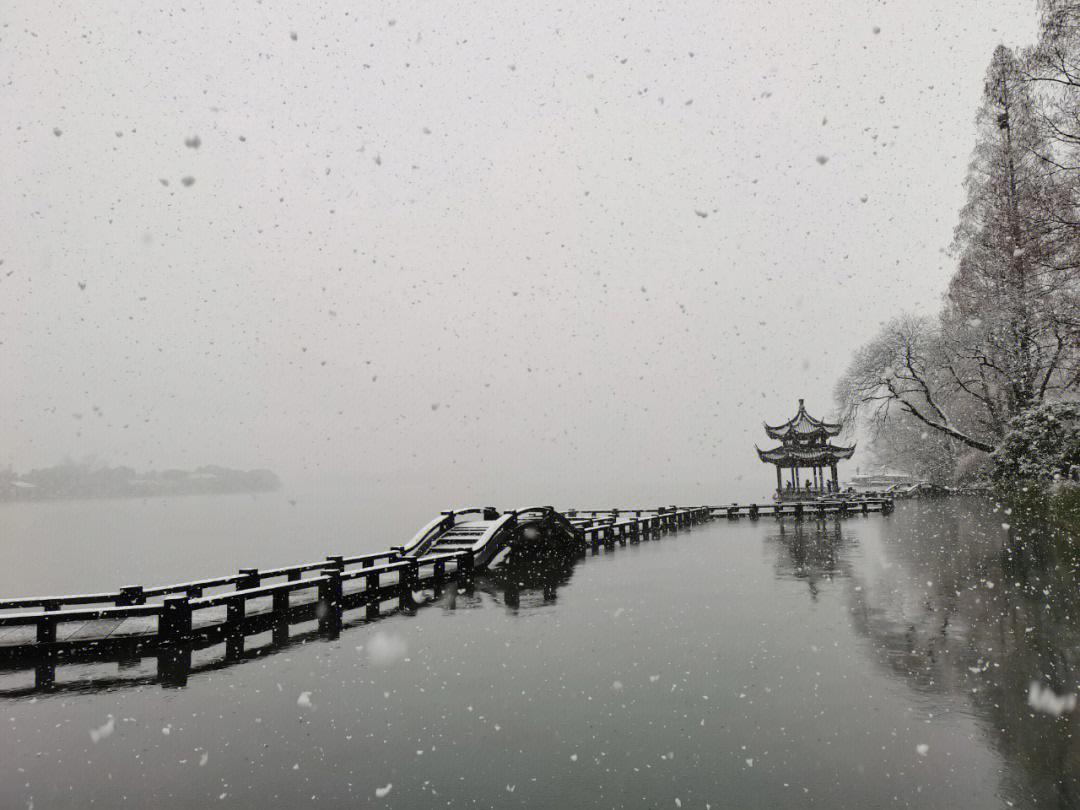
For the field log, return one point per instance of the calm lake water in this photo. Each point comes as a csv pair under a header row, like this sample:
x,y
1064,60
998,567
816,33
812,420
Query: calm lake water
x,y
880,661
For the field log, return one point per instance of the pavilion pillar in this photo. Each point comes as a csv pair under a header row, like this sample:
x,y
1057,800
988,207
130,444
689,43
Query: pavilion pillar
x,y
779,483
795,474
835,479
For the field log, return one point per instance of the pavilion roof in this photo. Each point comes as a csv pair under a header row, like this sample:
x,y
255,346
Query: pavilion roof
x,y
789,455
802,426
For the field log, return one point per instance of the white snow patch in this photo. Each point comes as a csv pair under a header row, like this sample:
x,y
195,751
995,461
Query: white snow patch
x,y
386,648
101,732
1043,699
304,700
381,792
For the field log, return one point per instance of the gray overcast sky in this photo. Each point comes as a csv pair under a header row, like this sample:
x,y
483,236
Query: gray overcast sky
x,y
462,242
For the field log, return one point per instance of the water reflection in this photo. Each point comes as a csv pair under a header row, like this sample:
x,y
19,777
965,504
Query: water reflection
x,y
809,550
967,603
519,584
525,583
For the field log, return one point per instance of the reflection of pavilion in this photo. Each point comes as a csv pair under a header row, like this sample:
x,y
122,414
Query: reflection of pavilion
x,y
805,444
813,551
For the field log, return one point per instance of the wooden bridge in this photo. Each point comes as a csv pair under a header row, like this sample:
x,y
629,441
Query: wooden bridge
x,y
819,508
174,620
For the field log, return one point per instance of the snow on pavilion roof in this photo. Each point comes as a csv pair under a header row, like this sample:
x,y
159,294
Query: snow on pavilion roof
x,y
821,455
802,426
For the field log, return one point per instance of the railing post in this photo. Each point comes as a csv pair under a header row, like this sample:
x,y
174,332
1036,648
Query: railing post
x,y
46,629
465,567
372,595
235,609
406,582
280,601
175,623
249,579
45,670
335,561
131,595
754,510
329,606
330,587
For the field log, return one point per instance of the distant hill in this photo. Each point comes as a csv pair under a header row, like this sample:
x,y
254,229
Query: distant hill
x,y
97,480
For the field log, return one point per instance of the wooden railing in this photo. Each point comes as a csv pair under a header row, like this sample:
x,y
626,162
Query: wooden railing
x,y
180,603
184,612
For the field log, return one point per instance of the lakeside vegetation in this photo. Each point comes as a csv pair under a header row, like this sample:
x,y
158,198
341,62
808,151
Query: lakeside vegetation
x,y
986,389
93,479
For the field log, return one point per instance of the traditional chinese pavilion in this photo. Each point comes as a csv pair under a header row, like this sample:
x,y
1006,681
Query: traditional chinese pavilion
x,y
804,445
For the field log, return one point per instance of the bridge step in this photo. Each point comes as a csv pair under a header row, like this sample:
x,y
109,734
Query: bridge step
x,y
460,536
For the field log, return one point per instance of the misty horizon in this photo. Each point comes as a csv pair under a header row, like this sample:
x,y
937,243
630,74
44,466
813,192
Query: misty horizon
x,y
571,251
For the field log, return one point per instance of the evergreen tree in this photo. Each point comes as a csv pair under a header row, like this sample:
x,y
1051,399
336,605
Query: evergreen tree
x,y
1007,313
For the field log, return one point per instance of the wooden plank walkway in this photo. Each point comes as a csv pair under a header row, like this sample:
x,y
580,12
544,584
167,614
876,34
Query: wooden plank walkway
x,y
819,508
176,619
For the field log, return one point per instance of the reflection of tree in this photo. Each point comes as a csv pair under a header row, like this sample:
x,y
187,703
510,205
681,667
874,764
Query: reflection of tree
x,y
964,600
812,551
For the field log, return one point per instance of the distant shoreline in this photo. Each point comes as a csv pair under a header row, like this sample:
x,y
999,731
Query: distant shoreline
x,y
69,482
